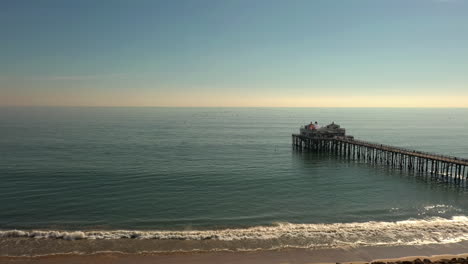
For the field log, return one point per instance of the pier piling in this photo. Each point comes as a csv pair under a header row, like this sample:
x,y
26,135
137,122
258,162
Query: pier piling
x,y
446,168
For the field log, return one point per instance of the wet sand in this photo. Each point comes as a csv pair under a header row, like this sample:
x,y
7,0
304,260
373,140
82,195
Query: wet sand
x,y
291,256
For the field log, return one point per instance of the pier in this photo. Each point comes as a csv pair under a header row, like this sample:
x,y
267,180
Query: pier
x,y
333,140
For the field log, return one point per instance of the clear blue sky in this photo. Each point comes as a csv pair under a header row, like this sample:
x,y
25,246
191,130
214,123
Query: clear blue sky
x,y
234,52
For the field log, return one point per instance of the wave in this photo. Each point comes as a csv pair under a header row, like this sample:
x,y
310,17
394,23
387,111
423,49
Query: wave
x,y
408,232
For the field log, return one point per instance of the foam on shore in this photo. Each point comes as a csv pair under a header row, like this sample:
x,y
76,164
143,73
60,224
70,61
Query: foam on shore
x,y
409,232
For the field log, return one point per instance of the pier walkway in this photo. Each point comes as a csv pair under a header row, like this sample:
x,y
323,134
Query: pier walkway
x,y
446,167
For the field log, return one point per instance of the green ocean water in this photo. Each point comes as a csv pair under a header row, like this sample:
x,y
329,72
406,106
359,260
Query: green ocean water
x,y
218,169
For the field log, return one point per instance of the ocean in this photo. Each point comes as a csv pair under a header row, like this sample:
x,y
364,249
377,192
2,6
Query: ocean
x,y
207,179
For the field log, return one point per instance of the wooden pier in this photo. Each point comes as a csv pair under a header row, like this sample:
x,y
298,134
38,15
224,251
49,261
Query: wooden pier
x,y
446,168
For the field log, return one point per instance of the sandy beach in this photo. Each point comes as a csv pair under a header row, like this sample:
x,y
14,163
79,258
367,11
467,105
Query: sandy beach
x,y
433,252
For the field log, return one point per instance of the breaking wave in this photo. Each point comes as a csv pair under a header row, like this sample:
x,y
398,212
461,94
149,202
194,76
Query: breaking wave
x,y
409,232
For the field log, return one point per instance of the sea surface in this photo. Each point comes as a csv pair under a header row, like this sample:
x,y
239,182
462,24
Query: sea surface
x,y
188,179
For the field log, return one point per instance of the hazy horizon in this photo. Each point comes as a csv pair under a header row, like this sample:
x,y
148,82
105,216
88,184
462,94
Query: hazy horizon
x,y
351,102
235,53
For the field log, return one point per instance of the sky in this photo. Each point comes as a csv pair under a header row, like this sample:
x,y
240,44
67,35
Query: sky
x,y
234,53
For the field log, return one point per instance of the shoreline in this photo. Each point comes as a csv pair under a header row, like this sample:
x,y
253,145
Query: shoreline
x,y
384,254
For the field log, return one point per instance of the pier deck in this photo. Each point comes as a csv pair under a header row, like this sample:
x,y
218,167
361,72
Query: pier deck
x,y
447,167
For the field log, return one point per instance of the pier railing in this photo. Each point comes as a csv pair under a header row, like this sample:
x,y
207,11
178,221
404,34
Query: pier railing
x,y
405,150
447,167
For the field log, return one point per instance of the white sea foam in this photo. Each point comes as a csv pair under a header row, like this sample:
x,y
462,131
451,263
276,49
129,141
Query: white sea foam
x,y
408,232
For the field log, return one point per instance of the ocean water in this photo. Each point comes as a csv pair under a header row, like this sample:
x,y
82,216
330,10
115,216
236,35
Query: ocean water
x,y
221,179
